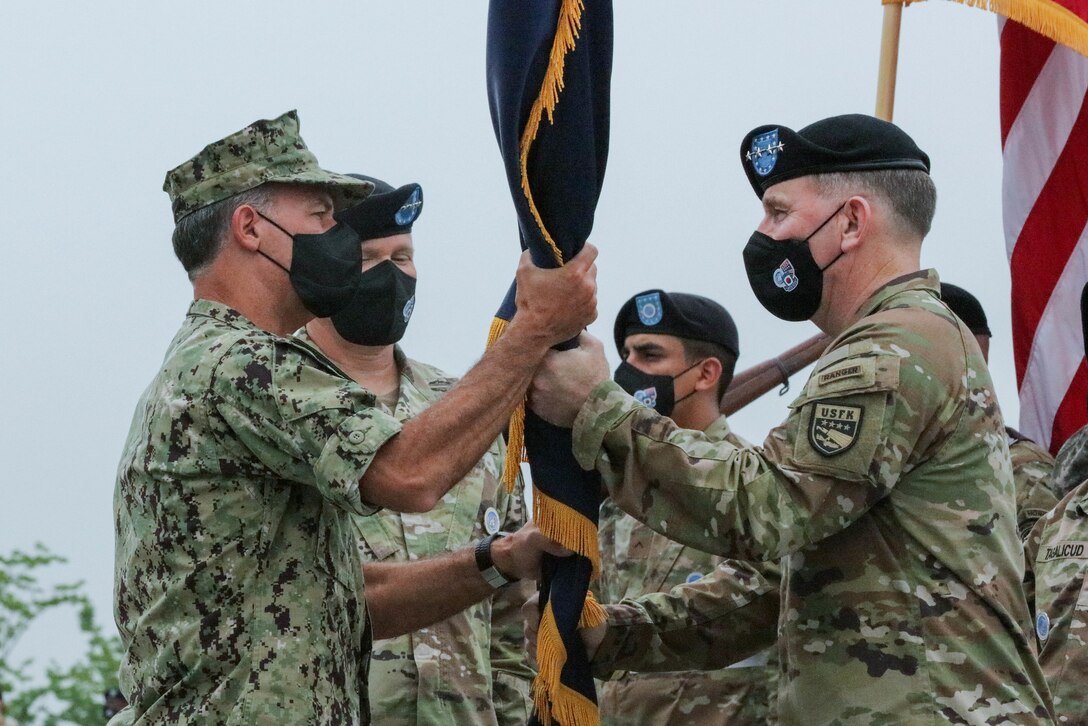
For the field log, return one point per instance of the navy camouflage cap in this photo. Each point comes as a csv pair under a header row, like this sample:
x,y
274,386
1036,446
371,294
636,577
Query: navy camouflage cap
x,y
854,142
265,151
678,314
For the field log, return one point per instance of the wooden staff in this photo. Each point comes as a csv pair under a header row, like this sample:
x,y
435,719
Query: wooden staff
x,y
751,383
889,61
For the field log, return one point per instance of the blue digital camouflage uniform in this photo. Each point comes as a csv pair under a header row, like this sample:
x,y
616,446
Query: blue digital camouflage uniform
x,y
888,493
470,669
636,560
1057,554
239,593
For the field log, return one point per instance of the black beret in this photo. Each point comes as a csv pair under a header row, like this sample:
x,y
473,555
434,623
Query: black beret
x,y
679,314
855,142
966,307
386,212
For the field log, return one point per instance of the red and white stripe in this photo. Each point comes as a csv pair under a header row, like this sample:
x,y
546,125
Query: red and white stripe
x,y
1044,136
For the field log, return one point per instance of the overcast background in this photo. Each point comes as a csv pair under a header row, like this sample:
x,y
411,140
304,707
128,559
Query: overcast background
x,y
100,99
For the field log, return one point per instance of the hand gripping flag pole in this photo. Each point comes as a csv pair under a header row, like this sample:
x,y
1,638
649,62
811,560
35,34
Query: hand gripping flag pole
x,y
549,66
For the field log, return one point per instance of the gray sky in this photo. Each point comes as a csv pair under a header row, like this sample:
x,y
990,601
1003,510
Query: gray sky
x,y
101,99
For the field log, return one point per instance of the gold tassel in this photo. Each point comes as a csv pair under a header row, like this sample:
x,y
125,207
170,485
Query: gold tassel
x,y
553,700
592,613
566,526
1046,18
515,432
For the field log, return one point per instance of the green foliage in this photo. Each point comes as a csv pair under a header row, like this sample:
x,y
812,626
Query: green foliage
x,y
69,694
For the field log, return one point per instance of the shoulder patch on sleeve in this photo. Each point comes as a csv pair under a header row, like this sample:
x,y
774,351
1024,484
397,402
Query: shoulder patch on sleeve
x,y
846,369
834,428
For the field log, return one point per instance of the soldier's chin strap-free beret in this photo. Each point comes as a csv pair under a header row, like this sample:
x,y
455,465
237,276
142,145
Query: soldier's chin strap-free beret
x,y
386,212
854,142
678,314
966,307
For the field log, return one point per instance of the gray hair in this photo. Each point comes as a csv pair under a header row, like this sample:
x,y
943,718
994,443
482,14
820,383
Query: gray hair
x,y
199,235
910,193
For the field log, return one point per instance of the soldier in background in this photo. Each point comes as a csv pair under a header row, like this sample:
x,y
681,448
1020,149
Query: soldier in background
x,y
886,493
1057,578
679,352
1031,464
469,669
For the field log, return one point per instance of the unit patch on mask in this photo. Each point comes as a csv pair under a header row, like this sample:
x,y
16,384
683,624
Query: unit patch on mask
x,y
834,428
785,276
647,396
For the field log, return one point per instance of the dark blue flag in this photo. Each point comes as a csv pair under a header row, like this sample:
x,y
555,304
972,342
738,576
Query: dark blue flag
x,y
549,69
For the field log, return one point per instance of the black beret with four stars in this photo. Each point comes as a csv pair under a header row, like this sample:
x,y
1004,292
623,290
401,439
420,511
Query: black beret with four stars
x,y
855,142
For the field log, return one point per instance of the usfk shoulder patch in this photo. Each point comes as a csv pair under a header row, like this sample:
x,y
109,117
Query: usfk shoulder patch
x,y
834,428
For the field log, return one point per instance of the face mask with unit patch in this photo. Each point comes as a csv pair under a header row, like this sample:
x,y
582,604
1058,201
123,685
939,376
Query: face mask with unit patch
x,y
656,391
379,312
783,275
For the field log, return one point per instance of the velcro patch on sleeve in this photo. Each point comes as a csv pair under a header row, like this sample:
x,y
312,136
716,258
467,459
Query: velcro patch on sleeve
x,y
834,427
844,370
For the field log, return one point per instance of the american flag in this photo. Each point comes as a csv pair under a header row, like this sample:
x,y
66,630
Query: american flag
x,y
1044,137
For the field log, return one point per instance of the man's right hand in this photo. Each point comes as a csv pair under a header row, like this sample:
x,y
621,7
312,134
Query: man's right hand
x,y
556,304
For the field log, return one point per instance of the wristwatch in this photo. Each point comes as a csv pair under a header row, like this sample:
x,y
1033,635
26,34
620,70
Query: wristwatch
x,y
486,565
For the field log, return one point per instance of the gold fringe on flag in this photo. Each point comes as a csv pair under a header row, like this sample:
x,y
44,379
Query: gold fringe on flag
x,y
566,32
515,432
567,527
552,699
1045,17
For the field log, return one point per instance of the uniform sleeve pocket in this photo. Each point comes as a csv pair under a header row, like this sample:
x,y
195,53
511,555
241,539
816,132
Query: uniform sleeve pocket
x,y
841,419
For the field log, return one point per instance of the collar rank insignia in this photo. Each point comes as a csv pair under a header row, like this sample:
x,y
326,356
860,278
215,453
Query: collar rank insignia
x,y
649,308
764,152
834,428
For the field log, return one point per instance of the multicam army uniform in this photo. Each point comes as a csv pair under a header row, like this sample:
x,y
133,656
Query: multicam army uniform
x,y
888,493
636,560
239,593
471,668
1031,467
1057,552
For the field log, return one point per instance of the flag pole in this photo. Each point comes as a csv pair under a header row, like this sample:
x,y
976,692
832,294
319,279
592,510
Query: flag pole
x,y
889,59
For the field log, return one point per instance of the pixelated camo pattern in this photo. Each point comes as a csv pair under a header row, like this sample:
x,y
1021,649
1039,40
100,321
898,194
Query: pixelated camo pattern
x,y
238,587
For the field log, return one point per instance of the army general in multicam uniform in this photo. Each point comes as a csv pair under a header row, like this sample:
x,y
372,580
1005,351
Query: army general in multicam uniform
x,y
886,492
239,591
679,351
470,668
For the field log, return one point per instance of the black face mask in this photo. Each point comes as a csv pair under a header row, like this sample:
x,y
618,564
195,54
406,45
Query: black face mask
x,y
656,391
379,312
324,267
783,275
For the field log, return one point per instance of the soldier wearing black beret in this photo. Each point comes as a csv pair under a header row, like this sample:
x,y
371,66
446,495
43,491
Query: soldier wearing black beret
x,y
679,351
887,489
